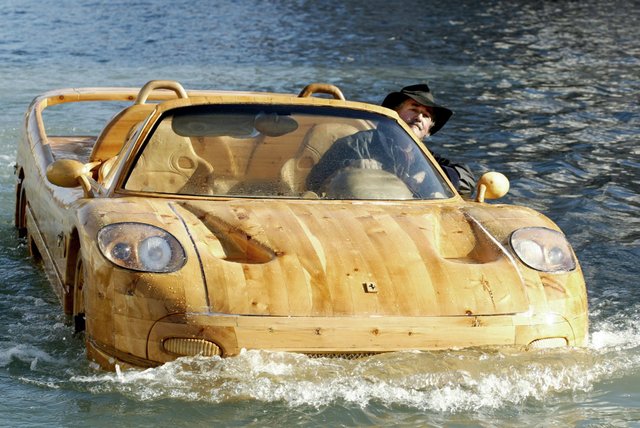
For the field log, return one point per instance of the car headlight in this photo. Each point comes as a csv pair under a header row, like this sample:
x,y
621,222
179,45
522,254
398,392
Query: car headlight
x,y
543,249
141,247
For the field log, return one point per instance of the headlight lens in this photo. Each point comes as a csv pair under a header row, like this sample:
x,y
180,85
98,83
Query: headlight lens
x,y
543,249
141,247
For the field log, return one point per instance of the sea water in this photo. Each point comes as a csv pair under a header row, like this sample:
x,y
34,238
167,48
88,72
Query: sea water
x,y
545,92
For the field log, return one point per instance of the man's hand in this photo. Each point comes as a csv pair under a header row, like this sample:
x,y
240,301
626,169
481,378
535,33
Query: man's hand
x,y
365,164
419,177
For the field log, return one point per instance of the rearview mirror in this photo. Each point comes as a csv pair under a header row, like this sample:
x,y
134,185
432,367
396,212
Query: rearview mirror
x,y
71,173
492,185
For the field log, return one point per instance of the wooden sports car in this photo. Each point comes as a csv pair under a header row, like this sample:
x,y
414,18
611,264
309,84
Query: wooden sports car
x,y
188,226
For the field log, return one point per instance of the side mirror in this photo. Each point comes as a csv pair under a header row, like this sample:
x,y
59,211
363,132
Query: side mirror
x,y
71,173
492,185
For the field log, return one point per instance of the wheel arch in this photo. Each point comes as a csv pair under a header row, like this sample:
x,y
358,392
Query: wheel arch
x,y
20,220
74,255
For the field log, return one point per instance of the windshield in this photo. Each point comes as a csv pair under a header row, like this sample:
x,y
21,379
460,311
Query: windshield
x,y
283,152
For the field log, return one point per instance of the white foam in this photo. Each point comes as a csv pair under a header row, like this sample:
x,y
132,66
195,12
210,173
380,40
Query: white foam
x,y
447,381
25,353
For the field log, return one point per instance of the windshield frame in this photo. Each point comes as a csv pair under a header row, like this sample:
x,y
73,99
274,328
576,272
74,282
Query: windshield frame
x,y
289,112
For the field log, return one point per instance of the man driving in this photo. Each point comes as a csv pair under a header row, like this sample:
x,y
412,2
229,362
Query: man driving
x,y
376,149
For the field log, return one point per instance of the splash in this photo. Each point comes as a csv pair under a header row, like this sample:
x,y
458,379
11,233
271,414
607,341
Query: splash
x,y
25,354
468,380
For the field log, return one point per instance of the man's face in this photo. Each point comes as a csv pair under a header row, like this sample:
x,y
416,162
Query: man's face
x,y
417,116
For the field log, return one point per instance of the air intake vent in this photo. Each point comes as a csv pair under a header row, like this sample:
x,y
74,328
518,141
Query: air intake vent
x,y
550,342
190,347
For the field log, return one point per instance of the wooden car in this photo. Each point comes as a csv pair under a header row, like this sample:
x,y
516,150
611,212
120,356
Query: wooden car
x,y
187,226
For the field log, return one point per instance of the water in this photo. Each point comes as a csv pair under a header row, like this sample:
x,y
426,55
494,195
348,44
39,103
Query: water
x,y
545,92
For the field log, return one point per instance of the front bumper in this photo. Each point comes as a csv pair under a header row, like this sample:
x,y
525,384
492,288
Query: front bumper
x,y
226,335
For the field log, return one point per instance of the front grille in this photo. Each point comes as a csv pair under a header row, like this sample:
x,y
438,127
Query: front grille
x,y
341,355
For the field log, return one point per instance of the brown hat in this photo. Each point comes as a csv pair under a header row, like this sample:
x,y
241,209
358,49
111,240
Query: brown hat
x,y
421,94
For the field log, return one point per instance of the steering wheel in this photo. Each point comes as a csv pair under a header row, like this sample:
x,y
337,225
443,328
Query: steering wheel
x,y
367,183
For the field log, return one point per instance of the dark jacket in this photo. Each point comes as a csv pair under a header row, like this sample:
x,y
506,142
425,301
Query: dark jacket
x,y
373,144
459,174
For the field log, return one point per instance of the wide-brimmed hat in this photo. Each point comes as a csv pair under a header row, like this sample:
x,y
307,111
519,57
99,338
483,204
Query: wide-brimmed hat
x,y
423,95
